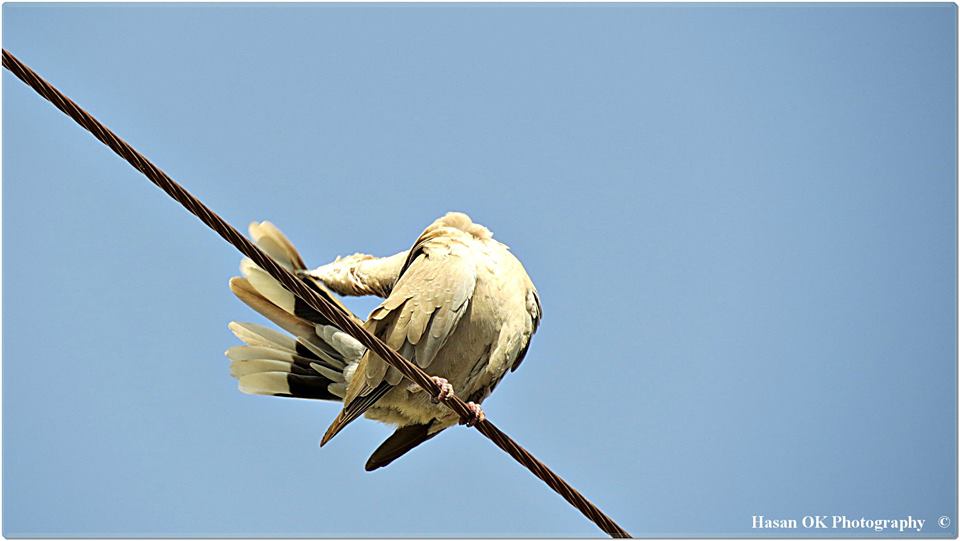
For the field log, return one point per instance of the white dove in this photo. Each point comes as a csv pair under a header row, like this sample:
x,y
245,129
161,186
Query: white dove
x,y
458,304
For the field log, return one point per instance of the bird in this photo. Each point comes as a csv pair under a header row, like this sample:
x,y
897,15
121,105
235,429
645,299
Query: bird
x,y
458,304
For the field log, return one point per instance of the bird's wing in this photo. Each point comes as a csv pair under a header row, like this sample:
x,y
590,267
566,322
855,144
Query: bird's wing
x,y
422,311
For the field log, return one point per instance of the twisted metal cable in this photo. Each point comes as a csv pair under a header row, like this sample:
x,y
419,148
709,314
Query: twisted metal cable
x,y
301,290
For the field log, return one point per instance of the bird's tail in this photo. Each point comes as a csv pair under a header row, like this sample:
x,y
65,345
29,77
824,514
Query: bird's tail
x,y
316,359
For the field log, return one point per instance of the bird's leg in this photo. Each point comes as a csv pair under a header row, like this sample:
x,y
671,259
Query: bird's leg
x,y
477,414
446,390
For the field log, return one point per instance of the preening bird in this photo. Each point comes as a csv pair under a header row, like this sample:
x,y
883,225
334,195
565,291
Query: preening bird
x,y
458,304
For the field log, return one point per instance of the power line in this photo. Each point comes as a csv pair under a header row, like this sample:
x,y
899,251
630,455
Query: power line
x,y
301,290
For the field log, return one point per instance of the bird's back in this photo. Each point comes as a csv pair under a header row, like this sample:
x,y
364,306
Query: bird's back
x,y
501,312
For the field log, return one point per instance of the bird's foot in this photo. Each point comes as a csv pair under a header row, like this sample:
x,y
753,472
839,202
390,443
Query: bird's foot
x,y
446,390
477,414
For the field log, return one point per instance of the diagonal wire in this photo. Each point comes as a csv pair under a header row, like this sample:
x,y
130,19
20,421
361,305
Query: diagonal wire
x,y
301,290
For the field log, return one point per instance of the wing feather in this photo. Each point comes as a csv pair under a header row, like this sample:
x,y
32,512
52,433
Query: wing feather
x,y
422,311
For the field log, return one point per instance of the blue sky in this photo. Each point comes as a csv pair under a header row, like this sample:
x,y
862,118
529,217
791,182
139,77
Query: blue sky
x,y
741,220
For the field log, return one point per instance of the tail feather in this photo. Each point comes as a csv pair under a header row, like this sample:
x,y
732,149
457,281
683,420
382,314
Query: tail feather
x,y
287,384
322,351
335,376
257,353
313,361
245,291
239,369
273,291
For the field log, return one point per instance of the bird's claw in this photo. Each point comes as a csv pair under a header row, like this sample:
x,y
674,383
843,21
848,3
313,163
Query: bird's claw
x,y
476,413
446,390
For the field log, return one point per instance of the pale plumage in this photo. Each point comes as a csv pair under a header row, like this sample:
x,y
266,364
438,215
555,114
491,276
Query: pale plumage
x,y
458,304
